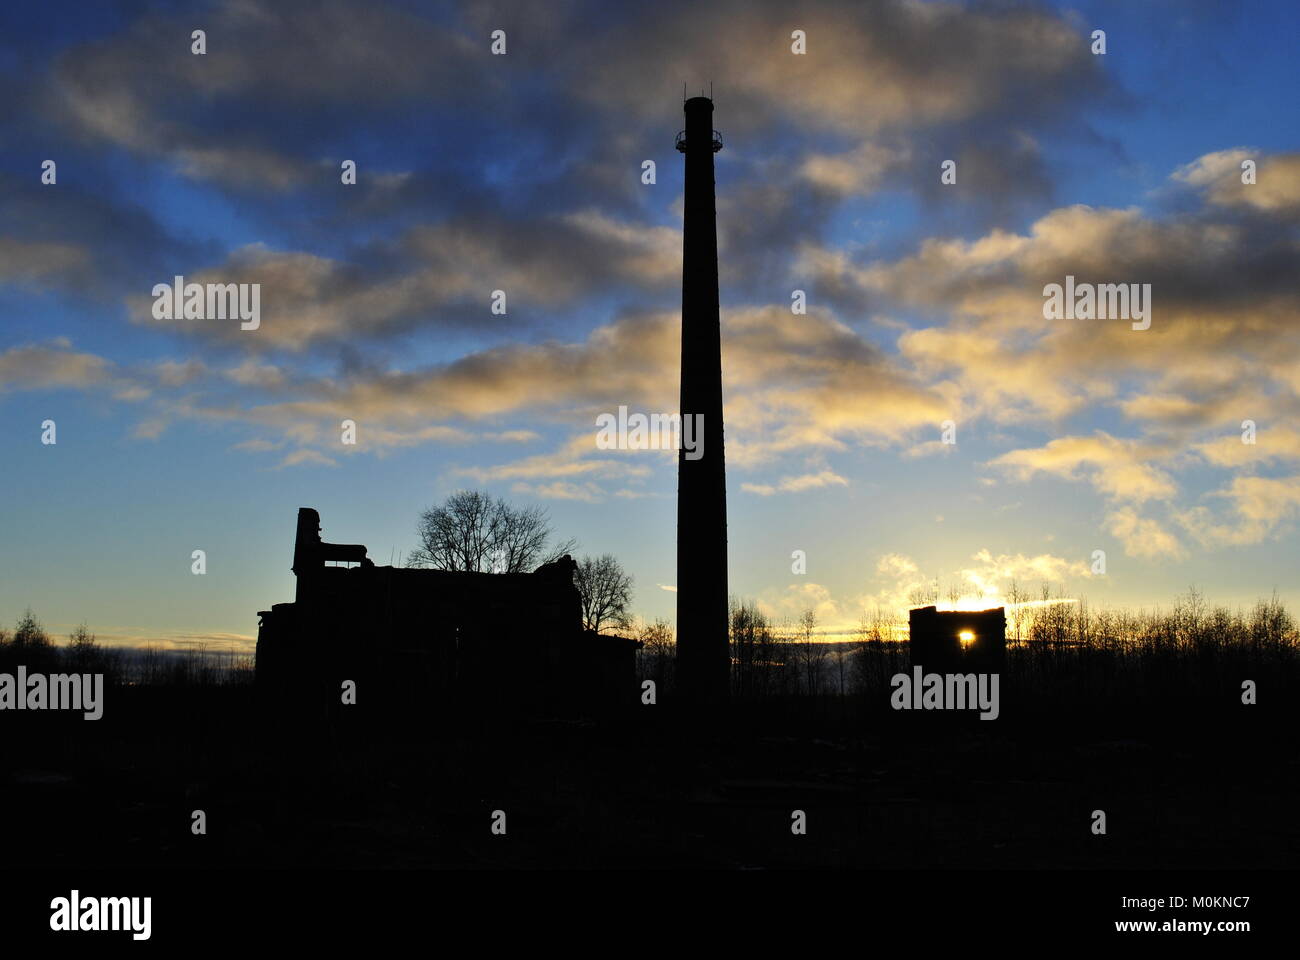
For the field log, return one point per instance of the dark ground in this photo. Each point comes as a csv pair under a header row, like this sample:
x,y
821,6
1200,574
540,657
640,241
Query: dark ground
x,y
1211,784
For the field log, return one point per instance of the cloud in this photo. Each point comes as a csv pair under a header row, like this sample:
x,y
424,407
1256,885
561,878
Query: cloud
x,y
250,373
1221,290
150,429
1116,467
41,264
786,605
1273,442
1143,536
986,582
51,367
1259,508
436,275
805,386
314,457
572,460
991,575
143,89
178,373
562,490
1276,187
858,171
868,66
797,484
811,383
896,565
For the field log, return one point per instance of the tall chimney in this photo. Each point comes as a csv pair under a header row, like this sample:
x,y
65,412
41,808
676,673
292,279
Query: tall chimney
x,y
703,654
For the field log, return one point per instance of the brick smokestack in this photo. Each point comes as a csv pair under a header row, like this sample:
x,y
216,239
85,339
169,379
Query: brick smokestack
x,y
703,654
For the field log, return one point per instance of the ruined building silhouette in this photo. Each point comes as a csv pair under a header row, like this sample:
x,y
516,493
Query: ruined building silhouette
x,y
703,654
958,641
422,641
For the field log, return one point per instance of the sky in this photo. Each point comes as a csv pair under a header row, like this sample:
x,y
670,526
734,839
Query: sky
x,y
522,172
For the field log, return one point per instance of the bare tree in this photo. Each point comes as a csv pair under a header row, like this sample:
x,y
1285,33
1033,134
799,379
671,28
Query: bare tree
x,y
29,634
924,596
752,642
480,533
456,535
875,650
606,591
811,651
1016,597
81,639
656,656
82,648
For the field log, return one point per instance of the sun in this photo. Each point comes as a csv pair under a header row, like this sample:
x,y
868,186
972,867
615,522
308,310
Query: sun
x,y
966,637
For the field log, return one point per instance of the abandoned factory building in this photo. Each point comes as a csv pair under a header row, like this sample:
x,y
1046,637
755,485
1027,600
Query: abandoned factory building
x,y
434,641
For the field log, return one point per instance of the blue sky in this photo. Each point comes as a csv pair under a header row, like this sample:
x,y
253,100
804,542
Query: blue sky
x,y
522,172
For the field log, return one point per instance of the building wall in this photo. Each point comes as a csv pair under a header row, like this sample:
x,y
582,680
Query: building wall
x,y
935,640
432,640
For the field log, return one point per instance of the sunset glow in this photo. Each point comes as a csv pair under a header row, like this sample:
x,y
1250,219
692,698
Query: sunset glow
x,y
919,426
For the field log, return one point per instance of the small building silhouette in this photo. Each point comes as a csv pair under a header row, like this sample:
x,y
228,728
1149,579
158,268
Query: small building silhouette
x,y
958,641
436,641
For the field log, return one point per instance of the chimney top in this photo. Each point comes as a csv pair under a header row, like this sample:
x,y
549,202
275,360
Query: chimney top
x,y
699,126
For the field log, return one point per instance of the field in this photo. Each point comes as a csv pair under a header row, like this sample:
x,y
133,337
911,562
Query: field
x,y
1140,716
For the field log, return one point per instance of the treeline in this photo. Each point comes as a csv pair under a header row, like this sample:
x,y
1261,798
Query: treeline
x,y
1057,649
768,658
30,645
